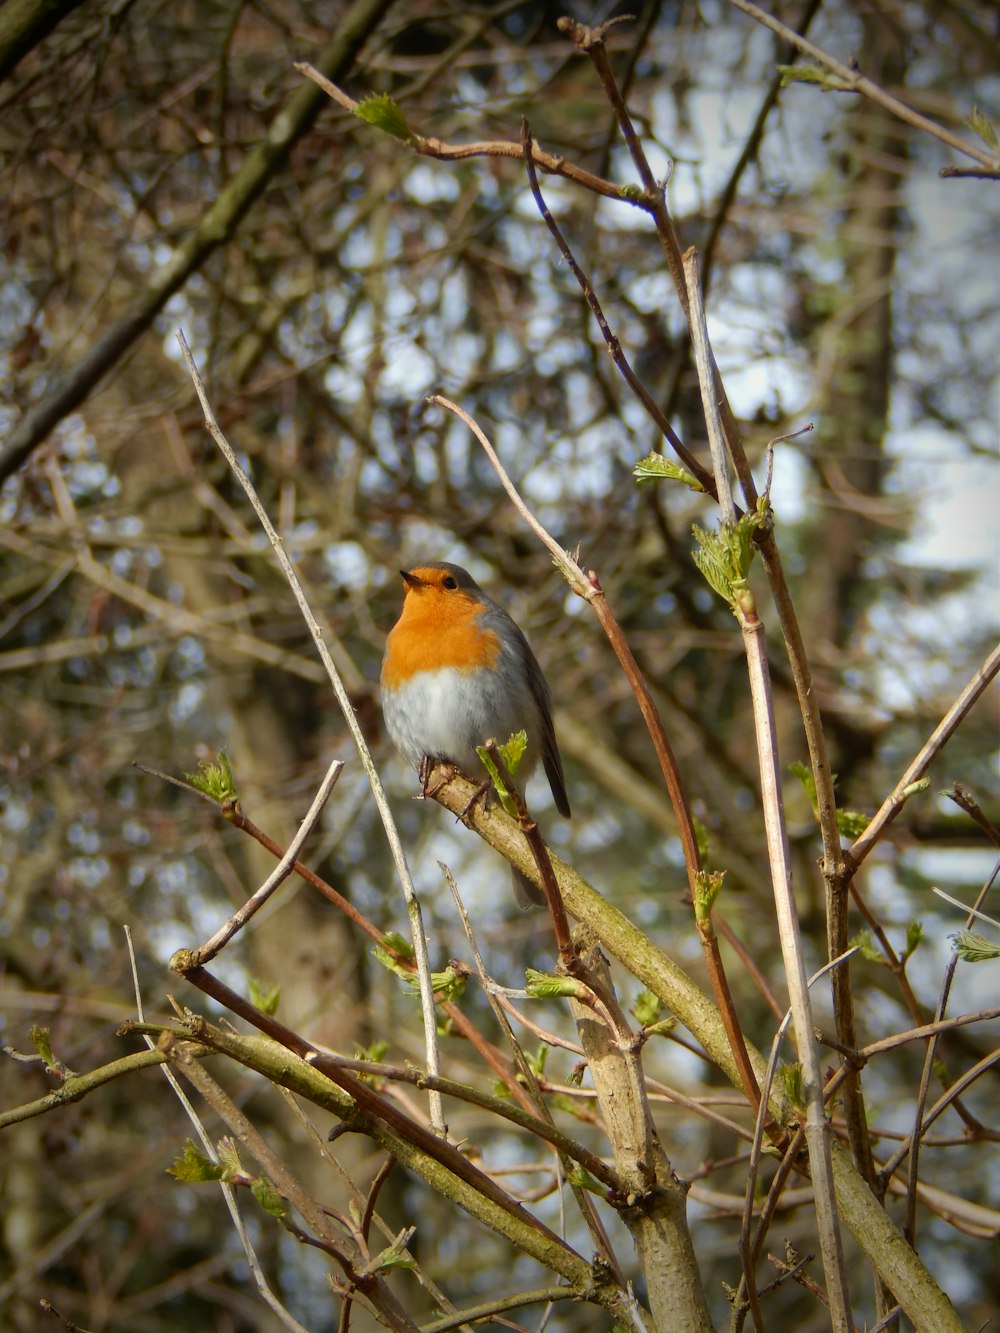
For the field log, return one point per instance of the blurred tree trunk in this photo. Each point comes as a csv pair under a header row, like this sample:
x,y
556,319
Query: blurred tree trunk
x,y
856,353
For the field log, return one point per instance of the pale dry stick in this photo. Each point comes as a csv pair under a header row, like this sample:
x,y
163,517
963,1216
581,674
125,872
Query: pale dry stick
x,y
663,1095
751,1253
417,933
859,83
278,875
479,1313
921,1034
938,738
818,1131
207,496
974,1219
228,1193
974,913
743,1301
571,571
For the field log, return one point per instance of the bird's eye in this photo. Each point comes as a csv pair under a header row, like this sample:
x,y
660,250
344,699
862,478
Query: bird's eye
x,y
449,581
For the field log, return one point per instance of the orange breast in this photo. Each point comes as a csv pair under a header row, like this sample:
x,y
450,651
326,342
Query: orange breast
x,y
437,630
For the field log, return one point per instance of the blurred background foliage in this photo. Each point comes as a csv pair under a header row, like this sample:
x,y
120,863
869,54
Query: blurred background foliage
x,y
142,617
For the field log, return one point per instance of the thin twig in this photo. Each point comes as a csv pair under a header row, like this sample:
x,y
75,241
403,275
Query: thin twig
x,y
448,152
974,810
534,839
589,588
936,742
925,1031
536,1124
750,1252
706,380
610,337
417,933
278,875
744,1299
371,1104
857,82
950,1094
240,820
345,1249
974,912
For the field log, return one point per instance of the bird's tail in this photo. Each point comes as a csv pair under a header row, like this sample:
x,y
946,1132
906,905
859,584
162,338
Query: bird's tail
x,y
526,893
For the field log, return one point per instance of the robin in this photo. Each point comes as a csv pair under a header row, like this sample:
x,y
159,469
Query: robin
x,y
458,671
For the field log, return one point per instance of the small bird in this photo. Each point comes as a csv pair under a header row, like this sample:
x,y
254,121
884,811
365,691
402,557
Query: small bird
x,y
458,671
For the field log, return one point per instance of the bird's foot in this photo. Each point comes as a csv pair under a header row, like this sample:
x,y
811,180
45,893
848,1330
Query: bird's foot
x,y
448,771
482,793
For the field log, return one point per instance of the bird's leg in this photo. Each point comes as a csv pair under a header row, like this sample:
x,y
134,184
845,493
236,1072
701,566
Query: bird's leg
x,y
449,771
424,773
482,793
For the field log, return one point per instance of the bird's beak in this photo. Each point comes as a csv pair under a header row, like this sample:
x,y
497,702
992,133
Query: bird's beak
x,y
412,580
